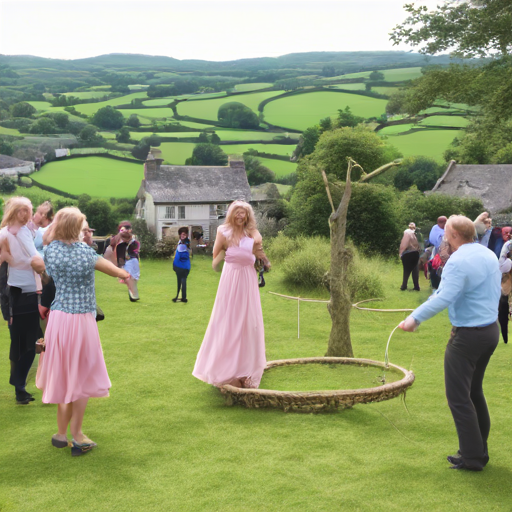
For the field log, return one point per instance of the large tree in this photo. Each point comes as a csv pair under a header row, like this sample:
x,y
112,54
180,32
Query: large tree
x,y
108,117
207,154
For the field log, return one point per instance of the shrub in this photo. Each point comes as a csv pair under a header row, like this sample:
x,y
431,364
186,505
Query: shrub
x,y
145,237
280,247
307,266
237,115
7,185
25,181
165,247
363,280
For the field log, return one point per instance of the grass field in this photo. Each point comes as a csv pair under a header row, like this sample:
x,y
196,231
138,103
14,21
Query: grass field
x,y
280,167
251,87
457,121
432,143
177,152
9,131
91,108
304,110
167,441
207,109
349,87
94,175
86,95
158,102
388,91
40,105
397,128
401,74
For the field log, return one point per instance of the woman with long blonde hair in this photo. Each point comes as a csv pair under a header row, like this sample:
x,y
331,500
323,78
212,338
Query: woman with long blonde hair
x,y
233,349
21,312
72,369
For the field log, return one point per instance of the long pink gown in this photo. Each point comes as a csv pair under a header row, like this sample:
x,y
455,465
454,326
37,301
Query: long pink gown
x,y
234,344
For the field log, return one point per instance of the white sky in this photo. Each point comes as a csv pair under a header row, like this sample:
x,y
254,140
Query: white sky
x,y
189,29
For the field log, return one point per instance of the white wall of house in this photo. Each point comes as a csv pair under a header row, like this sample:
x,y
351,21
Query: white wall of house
x,y
150,213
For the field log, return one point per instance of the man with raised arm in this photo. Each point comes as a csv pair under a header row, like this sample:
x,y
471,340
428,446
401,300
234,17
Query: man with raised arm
x,y
470,289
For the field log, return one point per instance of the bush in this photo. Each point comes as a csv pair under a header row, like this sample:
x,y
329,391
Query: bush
x,y
25,181
165,247
7,185
363,280
237,115
280,247
307,266
146,239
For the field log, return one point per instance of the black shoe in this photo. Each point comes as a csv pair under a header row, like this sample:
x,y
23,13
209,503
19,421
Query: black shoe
x,y
184,300
416,289
22,401
24,396
462,465
454,459
403,289
175,299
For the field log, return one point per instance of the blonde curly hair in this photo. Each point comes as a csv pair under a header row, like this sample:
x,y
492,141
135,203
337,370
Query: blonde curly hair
x,y
231,231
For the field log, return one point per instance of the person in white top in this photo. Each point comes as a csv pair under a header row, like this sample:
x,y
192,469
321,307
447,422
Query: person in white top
x,y
18,250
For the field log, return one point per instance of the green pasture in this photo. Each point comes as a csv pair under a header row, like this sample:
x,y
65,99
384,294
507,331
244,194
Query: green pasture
x,y
401,74
280,167
349,87
9,131
283,189
203,96
207,109
176,153
361,74
93,175
199,126
251,87
86,95
137,87
148,113
456,121
388,91
40,105
397,128
92,108
303,110
167,441
431,143
159,102
228,135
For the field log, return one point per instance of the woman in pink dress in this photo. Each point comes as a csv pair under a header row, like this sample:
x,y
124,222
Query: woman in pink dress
x,y
233,349
72,368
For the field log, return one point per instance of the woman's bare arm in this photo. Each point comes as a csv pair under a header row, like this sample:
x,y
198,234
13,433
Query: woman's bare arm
x,y
220,243
258,251
110,269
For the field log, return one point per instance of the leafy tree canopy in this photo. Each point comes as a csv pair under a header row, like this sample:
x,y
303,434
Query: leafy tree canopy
x,y
123,135
89,136
108,117
346,118
22,109
420,171
6,148
376,75
133,121
257,173
207,154
237,115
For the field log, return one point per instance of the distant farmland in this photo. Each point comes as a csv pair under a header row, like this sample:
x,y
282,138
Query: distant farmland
x,y
303,110
93,175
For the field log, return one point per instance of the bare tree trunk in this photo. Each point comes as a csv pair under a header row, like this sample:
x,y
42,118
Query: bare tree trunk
x,y
340,344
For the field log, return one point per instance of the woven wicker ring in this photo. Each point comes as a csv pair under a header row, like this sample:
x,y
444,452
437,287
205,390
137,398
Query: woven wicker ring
x,y
312,401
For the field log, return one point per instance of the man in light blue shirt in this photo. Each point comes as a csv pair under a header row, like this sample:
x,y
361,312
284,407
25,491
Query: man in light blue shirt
x,y
470,288
437,232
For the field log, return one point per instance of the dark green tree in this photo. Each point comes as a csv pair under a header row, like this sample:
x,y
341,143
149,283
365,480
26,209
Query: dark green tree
x,y
7,186
207,154
153,140
108,117
237,115
61,119
22,109
257,173
99,215
325,124
203,137
6,148
376,76
141,150
123,135
133,121
328,70
44,125
346,118
89,136
215,139
420,171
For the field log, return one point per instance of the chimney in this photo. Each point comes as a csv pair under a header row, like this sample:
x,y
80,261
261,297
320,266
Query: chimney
x,y
152,166
236,162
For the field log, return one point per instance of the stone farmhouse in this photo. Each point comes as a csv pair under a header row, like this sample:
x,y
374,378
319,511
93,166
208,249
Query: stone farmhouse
x,y
490,183
174,196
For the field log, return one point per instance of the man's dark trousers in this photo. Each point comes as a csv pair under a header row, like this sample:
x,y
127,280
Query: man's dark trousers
x,y
465,360
410,263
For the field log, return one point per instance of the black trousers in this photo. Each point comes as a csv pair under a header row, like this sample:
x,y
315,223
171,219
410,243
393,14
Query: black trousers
x,y
467,355
181,274
503,317
410,262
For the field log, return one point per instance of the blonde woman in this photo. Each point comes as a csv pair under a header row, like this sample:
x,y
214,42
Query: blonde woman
x,y
233,349
73,369
21,312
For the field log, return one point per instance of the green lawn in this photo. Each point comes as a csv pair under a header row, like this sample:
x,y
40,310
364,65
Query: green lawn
x,y
225,135
94,175
396,128
349,87
85,95
158,102
40,105
167,441
9,131
432,143
251,87
207,109
388,91
148,113
401,74
304,110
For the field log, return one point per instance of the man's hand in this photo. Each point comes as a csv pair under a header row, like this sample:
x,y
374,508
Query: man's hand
x,y
408,325
43,312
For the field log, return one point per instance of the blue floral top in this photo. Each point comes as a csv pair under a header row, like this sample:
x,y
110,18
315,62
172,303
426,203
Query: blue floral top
x,y
72,268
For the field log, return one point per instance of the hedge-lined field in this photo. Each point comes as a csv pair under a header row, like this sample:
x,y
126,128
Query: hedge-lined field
x,y
159,102
456,121
280,167
349,87
303,110
93,175
92,108
207,109
251,87
432,143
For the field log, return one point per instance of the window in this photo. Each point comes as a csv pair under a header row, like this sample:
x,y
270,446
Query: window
x,y
213,210
169,212
181,212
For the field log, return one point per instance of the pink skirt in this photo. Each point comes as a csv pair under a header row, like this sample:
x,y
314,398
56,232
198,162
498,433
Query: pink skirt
x,y
72,365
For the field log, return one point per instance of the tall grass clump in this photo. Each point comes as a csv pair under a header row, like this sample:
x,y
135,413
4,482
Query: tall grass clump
x,y
305,263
